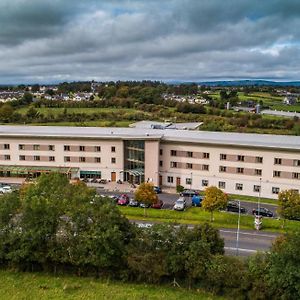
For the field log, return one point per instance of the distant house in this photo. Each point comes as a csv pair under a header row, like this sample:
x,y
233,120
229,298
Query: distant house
x,y
288,100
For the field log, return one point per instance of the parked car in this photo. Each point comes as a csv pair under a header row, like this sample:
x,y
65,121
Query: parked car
x,y
157,189
234,207
197,200
133,203
158,205
123,200
145,205
188,193
262,212
5,189
114,198
180,204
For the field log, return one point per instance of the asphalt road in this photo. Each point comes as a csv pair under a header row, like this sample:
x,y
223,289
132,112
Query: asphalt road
x,y
169,200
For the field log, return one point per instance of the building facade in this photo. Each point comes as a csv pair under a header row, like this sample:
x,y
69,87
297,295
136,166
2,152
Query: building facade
x,y
246,164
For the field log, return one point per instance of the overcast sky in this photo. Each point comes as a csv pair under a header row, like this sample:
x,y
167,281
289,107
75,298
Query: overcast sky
x,y
48,41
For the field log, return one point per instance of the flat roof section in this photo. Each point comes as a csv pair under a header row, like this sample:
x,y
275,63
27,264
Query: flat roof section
x,y
181,136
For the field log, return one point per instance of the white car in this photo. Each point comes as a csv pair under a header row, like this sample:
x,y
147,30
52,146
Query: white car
x,y
180,204
5,189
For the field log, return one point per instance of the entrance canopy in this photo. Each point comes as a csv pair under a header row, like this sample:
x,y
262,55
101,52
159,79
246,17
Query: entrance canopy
x,y
135,172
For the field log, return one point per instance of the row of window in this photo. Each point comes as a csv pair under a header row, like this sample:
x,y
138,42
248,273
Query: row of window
x,y
222,185
223,169
174,164
66,148
188,153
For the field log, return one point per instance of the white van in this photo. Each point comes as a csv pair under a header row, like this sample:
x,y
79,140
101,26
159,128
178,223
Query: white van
x,y
5,189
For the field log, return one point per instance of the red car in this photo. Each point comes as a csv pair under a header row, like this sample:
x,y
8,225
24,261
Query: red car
x,y
158,205
123,200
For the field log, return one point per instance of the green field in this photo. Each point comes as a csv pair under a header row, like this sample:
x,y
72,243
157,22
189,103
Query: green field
x,y
85,124
195,215
16,286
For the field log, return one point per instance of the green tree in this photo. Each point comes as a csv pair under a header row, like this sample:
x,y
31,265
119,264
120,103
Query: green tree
x,y
214,199
289,204
6,112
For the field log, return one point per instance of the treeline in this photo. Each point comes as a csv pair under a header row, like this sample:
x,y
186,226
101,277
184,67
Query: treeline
x,y
58,227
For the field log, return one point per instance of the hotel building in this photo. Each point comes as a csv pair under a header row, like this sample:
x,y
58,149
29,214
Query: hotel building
x,y
238,163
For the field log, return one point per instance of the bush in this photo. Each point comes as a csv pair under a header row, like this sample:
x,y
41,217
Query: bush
x,y
179,188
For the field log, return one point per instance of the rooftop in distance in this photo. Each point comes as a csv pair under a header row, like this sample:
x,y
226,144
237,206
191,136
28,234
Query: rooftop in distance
x,y
166,125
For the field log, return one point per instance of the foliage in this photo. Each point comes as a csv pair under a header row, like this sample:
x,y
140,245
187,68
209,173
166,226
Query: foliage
x,y
145,193
179,188
289,204
214,199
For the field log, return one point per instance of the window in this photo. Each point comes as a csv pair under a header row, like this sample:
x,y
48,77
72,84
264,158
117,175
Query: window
x,y
189,166
36,158
173,164
160,163
21,147
204,182
113,149
36,147
21,157
81,148
170,179
66,147
173,153
222,184
81,159
188,180
222,169
6,146
240,157
160,151
256,188
51,158
67,158
205,167
223,156
7,157
189,154
205,155
258,172
97,148
276,174
258,159
296,175
275,190
239,186
113,160
277,161
51,147
240,170
98,160
296,162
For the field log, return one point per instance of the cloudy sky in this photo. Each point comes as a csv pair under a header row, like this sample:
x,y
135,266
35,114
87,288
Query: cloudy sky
x,y
48,41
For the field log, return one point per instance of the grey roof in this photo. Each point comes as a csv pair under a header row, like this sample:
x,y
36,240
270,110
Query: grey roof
x,y
166,125
281,113
202,137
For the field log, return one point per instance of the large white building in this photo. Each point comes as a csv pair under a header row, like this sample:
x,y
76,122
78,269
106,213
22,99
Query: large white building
x,y
238,163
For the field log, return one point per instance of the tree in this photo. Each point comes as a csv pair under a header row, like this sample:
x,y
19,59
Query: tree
x,y
145,193
289,204
214,199
6,112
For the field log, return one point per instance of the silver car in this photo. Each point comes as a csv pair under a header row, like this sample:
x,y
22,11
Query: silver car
x,y
180,204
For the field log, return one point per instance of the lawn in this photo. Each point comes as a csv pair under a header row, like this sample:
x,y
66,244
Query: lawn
x,y
195,215
78,110
15,286
85,124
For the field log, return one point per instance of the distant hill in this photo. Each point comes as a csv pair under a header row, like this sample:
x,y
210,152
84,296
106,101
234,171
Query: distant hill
x,y
250,83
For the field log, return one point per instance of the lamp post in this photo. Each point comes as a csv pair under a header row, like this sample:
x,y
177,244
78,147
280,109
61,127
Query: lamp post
x,y
238,230
258,200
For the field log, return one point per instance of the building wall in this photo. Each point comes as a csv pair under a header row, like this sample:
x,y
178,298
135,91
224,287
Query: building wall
x,y
176,167
152,161
90,154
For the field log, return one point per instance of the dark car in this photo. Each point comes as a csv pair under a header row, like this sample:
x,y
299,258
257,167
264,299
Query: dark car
x,y
188,193
234,207
145,205
157,189
262,212
123,200
158,205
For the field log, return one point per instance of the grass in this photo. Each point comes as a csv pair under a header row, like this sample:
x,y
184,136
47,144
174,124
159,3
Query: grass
x,y
78,110
253,199
196,216
15,286
85,124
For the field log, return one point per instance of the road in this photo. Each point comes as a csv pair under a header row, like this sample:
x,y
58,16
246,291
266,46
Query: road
x,y
169,200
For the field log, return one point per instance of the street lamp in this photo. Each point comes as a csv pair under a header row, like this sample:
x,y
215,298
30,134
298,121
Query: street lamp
x,y
238,229
258,200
